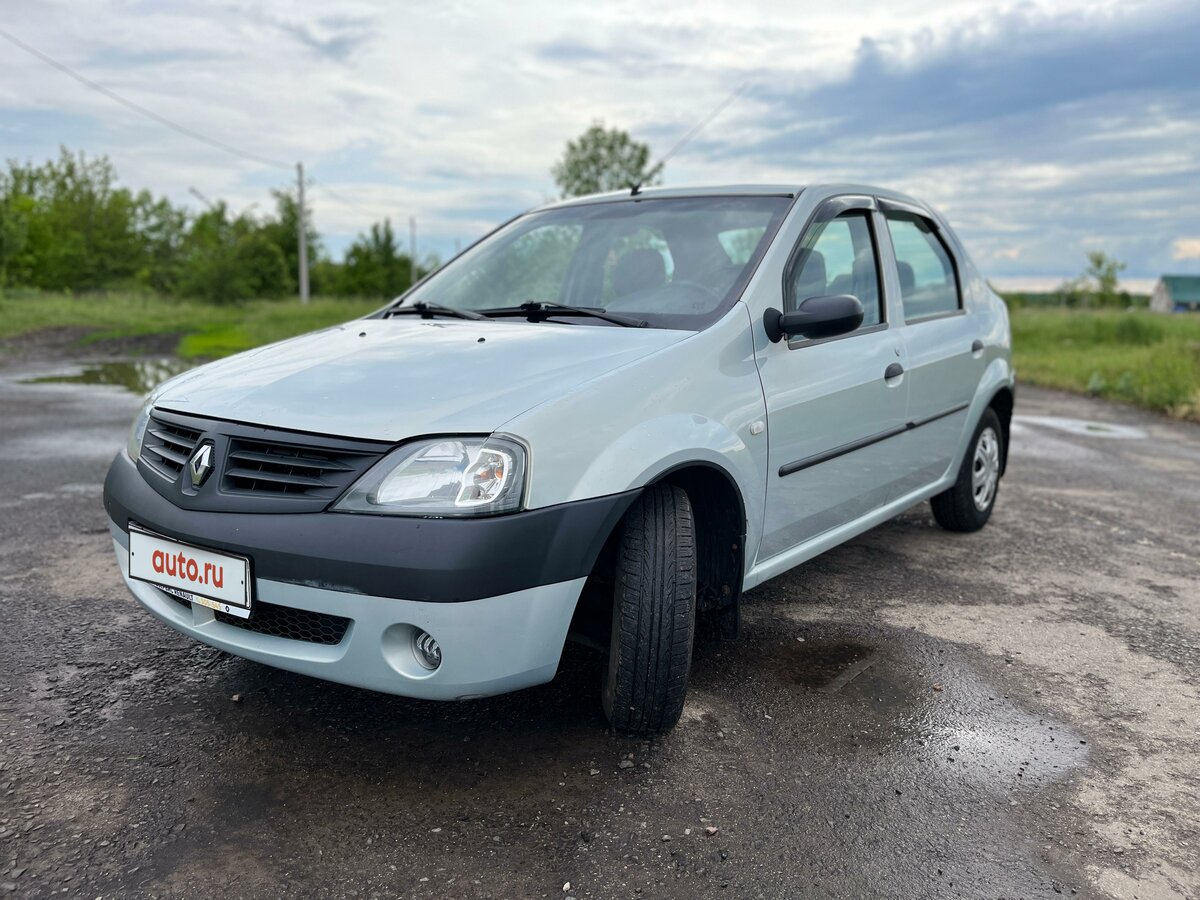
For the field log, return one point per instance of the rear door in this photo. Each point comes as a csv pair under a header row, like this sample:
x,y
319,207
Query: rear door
x,y
944,357
832,404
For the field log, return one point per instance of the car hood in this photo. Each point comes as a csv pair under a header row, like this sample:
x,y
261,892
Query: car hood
x,y
389,379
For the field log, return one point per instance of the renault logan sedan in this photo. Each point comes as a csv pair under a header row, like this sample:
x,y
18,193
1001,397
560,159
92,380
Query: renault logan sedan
x,y
608,418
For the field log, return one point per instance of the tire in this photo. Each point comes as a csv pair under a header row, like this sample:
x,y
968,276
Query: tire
x,y
968,505
654,613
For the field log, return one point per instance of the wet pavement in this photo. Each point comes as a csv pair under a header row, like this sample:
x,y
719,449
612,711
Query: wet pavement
x,y
1007,714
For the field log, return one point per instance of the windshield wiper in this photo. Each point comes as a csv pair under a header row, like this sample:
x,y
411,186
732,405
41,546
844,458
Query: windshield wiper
x,y
429,310
539,310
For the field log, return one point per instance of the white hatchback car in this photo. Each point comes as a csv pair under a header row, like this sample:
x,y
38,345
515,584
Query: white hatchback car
x,y
608,417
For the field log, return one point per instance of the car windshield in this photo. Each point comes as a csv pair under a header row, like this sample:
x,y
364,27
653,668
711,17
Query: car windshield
x,y
674,263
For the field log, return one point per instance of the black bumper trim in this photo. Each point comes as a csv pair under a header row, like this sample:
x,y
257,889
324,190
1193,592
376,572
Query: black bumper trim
x,y
433,560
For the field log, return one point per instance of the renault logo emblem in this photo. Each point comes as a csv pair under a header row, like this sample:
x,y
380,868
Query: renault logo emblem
x,y
200,465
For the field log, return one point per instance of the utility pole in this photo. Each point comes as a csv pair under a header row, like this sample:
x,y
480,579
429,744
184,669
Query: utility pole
x,y
302,236
412,249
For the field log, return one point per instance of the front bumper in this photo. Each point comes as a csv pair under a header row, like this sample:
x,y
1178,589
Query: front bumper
x,y
497,594
489,646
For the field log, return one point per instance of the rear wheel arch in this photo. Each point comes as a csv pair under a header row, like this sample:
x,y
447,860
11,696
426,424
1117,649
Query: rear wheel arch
x,y
1002,402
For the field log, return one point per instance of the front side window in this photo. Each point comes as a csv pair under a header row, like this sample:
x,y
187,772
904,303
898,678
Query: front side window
x,y
838,257
673,262
928,283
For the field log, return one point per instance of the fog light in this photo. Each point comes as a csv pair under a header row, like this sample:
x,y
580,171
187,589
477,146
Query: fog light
x,y
429,654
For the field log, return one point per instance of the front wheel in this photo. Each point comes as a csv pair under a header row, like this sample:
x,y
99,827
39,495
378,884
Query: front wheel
x,y
968,504
654,613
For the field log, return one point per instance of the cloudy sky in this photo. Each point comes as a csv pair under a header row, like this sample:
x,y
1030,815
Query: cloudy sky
x,y
1042,129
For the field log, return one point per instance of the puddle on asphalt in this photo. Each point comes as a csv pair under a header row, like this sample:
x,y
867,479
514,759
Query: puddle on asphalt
x,y
824,665
923,704
1084,427
139,376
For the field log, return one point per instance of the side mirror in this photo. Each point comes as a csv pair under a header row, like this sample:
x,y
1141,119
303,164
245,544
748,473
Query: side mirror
x,y
817,317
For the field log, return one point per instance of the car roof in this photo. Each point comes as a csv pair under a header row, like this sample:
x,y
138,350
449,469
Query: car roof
x,y
728,190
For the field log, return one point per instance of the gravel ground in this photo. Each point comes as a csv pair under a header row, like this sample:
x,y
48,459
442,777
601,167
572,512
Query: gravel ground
x,y
1006,714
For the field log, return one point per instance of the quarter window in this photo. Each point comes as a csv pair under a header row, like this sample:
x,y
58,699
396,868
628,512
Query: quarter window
x,y
928,284
838,257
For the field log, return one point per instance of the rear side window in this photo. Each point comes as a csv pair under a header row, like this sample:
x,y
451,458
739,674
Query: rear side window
x,y
838,257
928,282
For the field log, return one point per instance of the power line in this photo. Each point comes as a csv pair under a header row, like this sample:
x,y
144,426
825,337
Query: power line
x,y
320,185
138,108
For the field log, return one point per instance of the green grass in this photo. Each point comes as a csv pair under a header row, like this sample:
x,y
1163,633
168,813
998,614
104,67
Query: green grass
x,y
1142,358
207,331
264,322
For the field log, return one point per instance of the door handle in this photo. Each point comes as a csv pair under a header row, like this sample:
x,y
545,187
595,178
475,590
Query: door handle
x,y
895,370
976,345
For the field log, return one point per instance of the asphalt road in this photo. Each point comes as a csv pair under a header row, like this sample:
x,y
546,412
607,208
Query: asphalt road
x,y
1007,714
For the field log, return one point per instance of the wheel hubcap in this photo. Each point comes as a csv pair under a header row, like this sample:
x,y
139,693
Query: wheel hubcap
x,y
985,469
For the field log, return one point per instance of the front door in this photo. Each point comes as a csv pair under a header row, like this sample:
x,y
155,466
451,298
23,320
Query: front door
x,y
832,404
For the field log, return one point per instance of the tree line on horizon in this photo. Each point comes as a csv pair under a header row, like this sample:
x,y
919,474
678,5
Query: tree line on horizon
x,y
67,225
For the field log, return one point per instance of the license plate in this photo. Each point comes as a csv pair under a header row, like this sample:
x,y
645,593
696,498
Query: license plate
x,y
219,581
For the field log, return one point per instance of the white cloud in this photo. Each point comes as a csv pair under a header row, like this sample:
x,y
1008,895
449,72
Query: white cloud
x,y
1185,248
454,112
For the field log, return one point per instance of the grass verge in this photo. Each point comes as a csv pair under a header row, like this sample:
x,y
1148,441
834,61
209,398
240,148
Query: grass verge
x,y
207,331
1144,358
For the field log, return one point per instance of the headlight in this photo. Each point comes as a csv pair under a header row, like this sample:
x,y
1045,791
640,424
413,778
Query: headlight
x,y
134,445
468,476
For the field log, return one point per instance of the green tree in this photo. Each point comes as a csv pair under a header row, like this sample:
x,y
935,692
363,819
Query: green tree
x,y
261,266
15,212
604,159
1102,275
66,225
163,229
374,265
226,260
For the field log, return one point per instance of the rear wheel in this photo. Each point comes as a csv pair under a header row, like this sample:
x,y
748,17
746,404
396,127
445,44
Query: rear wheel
x,y
968,504
654,613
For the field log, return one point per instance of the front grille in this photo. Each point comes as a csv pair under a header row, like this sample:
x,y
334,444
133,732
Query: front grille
x,y
271,467
167,446
293,624
255,469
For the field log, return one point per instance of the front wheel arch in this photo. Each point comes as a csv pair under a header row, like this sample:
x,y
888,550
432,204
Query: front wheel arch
x,y
719,515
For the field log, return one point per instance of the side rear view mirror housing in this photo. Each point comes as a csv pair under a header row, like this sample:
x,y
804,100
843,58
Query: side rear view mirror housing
x,y
816,317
